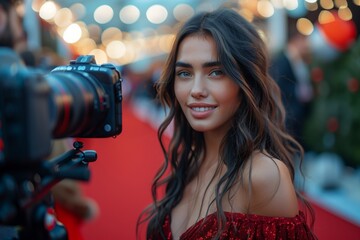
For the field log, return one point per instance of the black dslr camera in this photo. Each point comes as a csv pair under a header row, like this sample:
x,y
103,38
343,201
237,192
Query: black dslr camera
x,y
80,100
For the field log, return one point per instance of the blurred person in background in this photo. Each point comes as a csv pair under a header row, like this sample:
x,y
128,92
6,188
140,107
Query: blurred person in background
x,y
290,69
230,159
12,34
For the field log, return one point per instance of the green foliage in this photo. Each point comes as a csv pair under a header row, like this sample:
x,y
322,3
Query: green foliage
x,y
334,121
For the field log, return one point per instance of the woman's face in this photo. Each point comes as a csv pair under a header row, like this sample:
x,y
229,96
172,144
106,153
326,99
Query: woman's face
x,y
207,96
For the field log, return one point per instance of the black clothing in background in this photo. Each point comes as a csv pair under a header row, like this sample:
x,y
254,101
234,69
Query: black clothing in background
x,y
283,72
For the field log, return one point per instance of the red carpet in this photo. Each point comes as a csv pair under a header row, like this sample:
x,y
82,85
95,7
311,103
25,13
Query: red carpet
x,y
121,179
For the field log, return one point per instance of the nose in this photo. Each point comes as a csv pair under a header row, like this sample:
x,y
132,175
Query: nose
x,y
199,89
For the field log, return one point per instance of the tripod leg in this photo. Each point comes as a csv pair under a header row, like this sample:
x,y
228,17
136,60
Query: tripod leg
x,y
42,225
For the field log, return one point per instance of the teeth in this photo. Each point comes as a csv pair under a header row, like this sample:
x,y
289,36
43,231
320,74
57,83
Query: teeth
x,y
202,109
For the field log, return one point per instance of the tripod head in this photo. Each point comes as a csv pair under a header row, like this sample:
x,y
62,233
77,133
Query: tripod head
x,y
25,202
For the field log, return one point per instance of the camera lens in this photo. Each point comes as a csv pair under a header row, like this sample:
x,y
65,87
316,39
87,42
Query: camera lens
x,y
78,103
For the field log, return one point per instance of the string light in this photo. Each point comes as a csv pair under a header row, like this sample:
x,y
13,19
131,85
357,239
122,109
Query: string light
x,y
126,46
103,14
129,14
304,26
345,13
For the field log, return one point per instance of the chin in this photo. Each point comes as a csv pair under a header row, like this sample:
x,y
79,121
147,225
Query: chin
x,y
201,127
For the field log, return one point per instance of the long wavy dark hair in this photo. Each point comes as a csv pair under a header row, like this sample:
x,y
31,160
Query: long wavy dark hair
x,y
258,124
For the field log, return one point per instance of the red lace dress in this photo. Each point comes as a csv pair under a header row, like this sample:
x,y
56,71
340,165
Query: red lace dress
x,y
248,227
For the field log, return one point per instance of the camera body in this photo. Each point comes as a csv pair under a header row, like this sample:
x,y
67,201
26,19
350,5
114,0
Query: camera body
x,y
82,100
105,81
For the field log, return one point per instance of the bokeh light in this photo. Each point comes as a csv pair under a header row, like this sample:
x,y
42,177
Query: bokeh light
x,y
111,34
291,4
341,3
129,14
103,14
327,4
48,10
78,10
116,49
182,12
100,56
345,13
304,26
156,14
325,17
72,33
85,46
265,8
63,17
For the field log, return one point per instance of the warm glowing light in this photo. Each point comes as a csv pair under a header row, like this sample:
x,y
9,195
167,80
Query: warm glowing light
x,y
357,2
166,42
311,1
36,5
341,3
304,26
72,33
85,46
327,4
111,34
116,49
247,14
129,14
265,8
325,17
129,57
156,14
48,10
182,12
278,3
100,56
345,13
103,14
312,7
63,17
291,4
78,10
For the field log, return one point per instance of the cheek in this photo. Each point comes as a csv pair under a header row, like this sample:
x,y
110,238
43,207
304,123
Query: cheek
x,y
229,93
180,91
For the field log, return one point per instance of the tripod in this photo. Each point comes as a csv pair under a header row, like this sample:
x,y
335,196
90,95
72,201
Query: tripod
x,y
24,193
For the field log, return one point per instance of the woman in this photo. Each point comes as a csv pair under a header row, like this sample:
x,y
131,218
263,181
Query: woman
x,y
230,158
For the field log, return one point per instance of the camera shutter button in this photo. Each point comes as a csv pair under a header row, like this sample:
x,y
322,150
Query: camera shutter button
x,y
108,65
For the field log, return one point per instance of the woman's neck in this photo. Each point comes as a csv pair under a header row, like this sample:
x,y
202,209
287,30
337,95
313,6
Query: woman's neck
x,y
211,155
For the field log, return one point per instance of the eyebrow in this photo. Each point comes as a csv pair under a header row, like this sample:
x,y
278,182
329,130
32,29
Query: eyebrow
x,y
205,65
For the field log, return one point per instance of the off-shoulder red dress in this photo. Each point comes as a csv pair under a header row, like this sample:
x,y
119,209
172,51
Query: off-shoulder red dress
x,y
248,227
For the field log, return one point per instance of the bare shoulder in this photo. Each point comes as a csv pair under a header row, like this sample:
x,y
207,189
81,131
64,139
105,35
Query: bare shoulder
x,y
272,189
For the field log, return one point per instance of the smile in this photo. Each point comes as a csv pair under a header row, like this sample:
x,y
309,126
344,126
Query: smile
x,y
202,109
